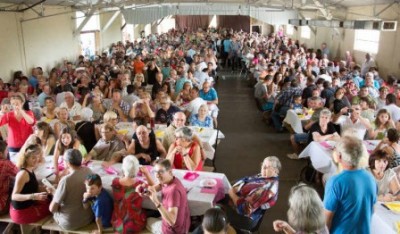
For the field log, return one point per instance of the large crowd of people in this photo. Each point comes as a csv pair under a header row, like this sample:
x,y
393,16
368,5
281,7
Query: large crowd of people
x,y
71,114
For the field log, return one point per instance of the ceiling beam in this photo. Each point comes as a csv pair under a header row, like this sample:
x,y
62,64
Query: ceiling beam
x,y
111,20
87,18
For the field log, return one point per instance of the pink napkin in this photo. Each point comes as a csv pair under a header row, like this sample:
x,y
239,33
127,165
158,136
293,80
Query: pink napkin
x,y
218,190
190,176
110,171
326,145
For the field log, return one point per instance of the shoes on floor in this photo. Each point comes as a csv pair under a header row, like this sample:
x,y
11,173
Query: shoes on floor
x,y
293,156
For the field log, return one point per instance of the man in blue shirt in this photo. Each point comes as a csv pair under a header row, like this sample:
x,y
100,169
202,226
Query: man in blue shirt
x,y
350,196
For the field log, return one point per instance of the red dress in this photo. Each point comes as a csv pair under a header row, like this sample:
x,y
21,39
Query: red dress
x,y
180,164
128,216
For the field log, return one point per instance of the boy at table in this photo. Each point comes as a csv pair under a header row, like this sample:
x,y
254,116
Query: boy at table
x,y
99,200
174,208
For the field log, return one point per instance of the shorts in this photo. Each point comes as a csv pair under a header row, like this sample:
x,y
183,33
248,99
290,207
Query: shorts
x,y
301,138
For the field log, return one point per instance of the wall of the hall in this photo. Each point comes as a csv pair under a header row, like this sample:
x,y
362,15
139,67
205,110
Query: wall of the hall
x,y
113,33
45,41
42,42
341,40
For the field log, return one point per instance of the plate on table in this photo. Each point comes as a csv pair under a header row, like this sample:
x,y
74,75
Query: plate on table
x,y
208,183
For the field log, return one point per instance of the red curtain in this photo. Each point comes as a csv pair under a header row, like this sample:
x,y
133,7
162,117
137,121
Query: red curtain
x,y
236,22
192,22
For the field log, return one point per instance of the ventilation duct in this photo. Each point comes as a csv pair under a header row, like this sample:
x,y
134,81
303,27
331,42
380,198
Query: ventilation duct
x,y
348,24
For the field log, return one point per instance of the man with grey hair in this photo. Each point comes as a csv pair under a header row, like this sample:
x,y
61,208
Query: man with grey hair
x,y
74,108
67,206
350,196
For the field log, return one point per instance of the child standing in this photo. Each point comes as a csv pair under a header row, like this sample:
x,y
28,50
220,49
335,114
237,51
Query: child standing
x,y
99,200
296,104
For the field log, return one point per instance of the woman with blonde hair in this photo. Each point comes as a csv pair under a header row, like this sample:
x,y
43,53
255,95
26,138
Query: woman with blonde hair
x,y
305,214
110,117
28,204
63,121
383,122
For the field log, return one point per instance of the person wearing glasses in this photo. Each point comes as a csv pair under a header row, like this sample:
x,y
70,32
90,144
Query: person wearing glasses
x,y
165,114
106,145
305,214
29,204
354,122
178,121
252,195
185,153
173,207
110,117
66,206
350,196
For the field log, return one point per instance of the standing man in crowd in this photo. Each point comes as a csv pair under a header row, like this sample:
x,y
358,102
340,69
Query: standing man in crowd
x,y
350,196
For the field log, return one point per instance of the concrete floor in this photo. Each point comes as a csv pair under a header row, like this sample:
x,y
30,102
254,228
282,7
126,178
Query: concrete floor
x,y
248,140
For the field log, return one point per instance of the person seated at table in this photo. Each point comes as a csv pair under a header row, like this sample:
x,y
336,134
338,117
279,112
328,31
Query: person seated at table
x,y
85,129
128,218
195,103
366,111
99,200
323,130
50,109
178,121
202,118
110,117
383,122
63,121
143,108
184,96
215,221
305,214
28,203
185,152
252,195
8,171
353,122
47,139
146,148
388,184
167,110
210,96
108,144
93,100
390,145
338,101
297,105
119,106
174,207
73,107
67,140
66,206
364,93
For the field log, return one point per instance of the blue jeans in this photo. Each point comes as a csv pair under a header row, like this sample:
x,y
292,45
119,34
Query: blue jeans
x,y
277,117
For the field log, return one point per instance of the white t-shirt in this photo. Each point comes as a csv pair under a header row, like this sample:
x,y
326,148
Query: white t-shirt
x,y
394,111
194,105
358,128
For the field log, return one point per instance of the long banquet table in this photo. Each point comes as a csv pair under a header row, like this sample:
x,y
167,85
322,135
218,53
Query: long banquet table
x,y
200,199
208,136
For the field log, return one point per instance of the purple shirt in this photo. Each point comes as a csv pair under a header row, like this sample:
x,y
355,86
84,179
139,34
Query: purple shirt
x,y
174,195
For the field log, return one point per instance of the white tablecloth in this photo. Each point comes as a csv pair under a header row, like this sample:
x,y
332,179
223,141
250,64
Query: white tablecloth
x,y
320,154
198,202
383,220
208,136
294,120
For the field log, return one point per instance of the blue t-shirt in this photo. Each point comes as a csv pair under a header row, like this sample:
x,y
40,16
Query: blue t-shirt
x,y
351,195
179,84
211,95
103,207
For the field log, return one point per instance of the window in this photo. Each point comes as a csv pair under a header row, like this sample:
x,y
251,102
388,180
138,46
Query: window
x,y
306,32
289,29
367,41
92,25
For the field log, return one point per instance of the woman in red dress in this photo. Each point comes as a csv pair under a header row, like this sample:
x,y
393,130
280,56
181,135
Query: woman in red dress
x,y
185,153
